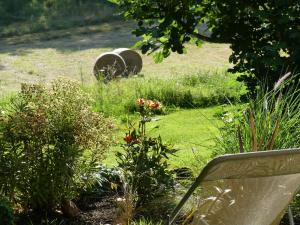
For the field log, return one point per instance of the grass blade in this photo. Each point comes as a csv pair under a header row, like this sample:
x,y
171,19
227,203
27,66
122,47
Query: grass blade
x,y
253,131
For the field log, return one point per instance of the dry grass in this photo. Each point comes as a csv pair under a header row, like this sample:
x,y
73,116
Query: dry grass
x,y
44,56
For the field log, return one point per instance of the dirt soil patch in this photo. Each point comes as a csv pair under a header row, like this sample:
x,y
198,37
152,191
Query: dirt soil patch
x,y
94,211
98,211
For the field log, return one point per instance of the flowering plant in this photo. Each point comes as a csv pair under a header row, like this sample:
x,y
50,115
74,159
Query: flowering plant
x,y
144,159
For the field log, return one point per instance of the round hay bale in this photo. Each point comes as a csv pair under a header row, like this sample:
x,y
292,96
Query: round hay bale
x,y
133,60
109,65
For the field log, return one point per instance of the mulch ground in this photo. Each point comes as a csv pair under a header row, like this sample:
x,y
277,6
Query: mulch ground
x,y
98,211
94,211
285,220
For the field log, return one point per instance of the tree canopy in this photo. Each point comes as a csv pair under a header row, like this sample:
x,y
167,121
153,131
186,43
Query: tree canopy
x,y
264,35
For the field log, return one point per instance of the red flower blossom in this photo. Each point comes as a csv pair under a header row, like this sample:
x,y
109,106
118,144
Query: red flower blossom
x,y
131,139
140,102
128,138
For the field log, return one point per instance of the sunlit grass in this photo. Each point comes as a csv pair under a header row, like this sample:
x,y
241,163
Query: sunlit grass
x,y
40,58
72,53
192,132
200,89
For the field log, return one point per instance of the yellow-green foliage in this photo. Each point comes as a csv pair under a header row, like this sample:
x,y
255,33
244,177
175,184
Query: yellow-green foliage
x,y
50,141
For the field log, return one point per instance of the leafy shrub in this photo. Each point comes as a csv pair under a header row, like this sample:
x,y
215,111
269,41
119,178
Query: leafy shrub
x,y
144,160
50,143
107,180
6,213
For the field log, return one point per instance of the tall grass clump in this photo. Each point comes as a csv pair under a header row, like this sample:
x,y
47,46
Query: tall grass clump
x,y
50,143
191,91
270,121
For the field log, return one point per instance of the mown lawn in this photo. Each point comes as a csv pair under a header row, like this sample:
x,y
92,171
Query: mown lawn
x,y
192,132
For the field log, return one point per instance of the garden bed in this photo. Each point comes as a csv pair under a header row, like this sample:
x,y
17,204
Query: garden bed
x,y
93,211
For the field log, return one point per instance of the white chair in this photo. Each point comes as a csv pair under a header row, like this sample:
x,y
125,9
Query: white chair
x,y
245,189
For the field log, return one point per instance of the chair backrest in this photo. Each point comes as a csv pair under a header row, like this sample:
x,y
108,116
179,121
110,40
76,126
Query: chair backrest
x,y
245,189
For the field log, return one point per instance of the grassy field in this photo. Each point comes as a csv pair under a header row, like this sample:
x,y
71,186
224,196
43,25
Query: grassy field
x,y
199,74
42,57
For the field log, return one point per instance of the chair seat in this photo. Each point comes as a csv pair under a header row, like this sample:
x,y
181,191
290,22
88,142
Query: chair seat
x,y
245,189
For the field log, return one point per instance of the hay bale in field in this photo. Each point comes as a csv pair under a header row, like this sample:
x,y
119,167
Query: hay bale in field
x,y
133,60
109,65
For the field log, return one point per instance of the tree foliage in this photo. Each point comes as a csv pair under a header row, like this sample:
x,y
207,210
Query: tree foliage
x,y
50,144
264,35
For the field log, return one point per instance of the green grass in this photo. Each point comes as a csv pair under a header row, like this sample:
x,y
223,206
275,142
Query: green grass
x,y
270,121
188,81
192,132
198,90
72,53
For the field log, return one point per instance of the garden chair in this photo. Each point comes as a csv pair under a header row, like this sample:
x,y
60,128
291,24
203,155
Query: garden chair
x,y
244,189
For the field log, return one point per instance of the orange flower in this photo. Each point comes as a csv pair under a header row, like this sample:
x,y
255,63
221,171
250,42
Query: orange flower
x,y
131,139
128,138
154,104
140,102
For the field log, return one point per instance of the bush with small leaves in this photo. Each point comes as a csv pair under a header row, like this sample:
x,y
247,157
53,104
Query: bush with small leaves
x,y
50,143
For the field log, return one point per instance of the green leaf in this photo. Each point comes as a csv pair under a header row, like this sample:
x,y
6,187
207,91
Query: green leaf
x,y
158,57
